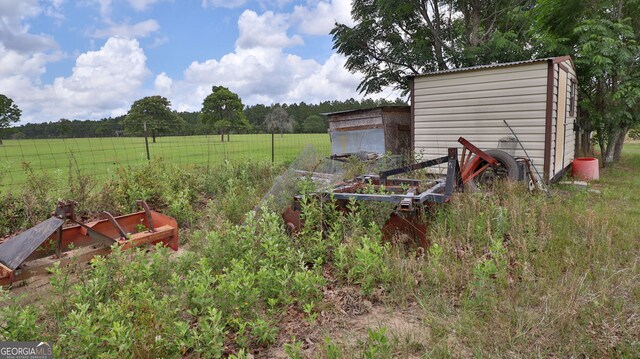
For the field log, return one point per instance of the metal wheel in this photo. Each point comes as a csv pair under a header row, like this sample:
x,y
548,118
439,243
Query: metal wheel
x,y
507,169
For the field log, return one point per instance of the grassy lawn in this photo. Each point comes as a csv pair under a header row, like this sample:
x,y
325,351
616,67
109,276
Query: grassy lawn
x,y
100,155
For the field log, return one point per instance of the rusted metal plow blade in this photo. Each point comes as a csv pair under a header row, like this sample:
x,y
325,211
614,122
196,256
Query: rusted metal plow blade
x,y
403,227
292,219
38,248
17,249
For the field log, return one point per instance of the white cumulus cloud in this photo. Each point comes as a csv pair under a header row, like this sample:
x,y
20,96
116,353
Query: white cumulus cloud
x,y
102,83
163,84
223,3
321,18
141,29
14,32
261,71
268,30
141,5
138,5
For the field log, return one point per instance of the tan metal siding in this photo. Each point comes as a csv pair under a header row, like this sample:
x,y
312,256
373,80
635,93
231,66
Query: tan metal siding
x,y
554,122
473,87
474,104
569,142
570,133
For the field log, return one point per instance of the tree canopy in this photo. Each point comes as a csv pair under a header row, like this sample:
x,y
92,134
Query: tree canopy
x,y
395,39
9,111
602,37
315,124
279,119
193,125
155,113
222,111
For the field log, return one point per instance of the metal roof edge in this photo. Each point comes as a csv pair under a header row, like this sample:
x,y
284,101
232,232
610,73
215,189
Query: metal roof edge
x,y
383,108
497,65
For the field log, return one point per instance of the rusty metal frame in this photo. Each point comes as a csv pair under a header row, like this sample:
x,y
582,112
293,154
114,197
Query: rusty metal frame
x,y
82,241
409,199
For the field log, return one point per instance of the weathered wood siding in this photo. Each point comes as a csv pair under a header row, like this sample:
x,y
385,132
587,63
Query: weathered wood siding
x,y
474,103
397,130
378,130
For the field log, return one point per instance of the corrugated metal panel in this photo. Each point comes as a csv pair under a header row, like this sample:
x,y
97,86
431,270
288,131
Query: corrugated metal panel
x,y
484,101
390,108
355,122
511,84
488,66
534,121
357,140
500,92
473,105
488,108
495,116
489,75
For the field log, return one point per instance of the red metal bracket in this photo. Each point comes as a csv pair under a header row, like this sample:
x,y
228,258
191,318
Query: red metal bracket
x,y
468,165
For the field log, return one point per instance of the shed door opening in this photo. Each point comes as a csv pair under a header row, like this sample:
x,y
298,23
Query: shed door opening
x,y
560,122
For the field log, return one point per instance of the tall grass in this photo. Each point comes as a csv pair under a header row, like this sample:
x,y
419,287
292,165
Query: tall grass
x,y
508,274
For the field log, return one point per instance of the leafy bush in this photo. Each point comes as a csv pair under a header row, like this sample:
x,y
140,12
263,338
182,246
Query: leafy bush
x,y
19,323
634,133
362,261
195,196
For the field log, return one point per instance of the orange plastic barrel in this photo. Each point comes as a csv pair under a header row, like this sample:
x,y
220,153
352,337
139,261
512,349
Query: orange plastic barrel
x,y
585,168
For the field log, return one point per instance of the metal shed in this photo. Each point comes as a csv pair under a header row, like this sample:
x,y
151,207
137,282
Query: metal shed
x,y
379,130
538,99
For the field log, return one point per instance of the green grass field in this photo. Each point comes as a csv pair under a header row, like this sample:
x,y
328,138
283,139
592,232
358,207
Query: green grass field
x,y
101,155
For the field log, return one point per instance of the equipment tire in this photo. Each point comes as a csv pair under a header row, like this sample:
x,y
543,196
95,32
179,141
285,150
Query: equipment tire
x,y
507,169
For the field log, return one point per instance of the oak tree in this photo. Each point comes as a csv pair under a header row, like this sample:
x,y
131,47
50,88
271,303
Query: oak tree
x,y
9,112
222,111
152,114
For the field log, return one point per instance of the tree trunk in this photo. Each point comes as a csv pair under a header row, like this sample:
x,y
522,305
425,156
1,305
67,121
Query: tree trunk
x,y
585,143
228,134
474,36
606,147
603,147
153,135
221,135
435,27
619,143
0,141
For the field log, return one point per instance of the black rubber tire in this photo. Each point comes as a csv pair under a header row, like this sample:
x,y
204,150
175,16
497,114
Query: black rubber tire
x,y
507,169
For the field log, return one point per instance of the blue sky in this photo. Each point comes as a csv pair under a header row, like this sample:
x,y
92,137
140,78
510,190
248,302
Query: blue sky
x,y
89,59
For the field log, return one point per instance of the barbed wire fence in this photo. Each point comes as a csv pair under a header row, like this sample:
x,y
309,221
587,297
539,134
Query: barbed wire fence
x,y
100,156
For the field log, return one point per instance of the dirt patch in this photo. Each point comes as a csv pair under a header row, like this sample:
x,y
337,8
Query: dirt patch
x,y
346,317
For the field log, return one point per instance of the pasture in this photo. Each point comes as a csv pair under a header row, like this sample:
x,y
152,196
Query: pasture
x,y
100,156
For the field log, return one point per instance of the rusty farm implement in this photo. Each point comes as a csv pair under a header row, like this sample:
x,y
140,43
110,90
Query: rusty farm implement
x,y
412,196
38,248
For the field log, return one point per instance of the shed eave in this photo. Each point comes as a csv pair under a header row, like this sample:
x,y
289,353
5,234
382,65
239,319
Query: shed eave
x,y
498,65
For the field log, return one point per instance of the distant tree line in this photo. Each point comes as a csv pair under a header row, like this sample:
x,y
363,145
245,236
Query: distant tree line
x,y
296,118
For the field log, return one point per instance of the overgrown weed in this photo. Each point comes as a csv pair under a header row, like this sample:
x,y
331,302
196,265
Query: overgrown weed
x,y
508,274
